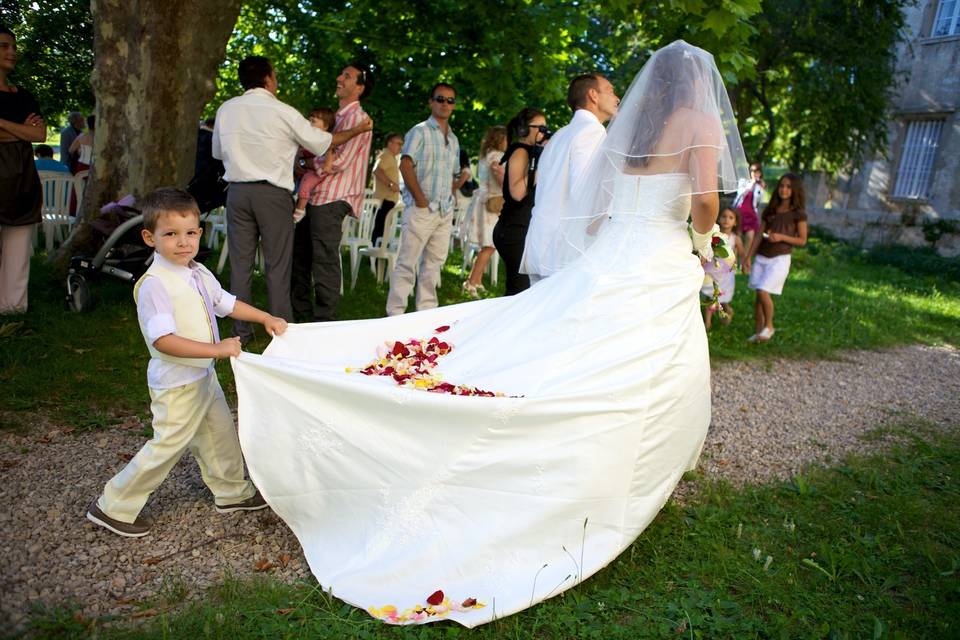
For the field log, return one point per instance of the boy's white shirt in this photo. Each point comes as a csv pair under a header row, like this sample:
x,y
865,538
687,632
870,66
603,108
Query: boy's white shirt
x,y
155,312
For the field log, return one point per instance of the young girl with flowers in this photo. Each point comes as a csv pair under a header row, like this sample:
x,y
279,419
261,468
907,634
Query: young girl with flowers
x,y
729,223
783,227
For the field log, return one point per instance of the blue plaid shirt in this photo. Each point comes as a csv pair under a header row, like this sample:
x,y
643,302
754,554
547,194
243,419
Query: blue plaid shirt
x,y
436,160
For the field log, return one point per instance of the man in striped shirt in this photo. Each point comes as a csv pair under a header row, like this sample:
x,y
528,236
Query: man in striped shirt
x,y
430,165
316,248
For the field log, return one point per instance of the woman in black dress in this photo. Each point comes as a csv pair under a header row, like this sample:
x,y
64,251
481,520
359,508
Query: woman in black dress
x,y
20,195
526,133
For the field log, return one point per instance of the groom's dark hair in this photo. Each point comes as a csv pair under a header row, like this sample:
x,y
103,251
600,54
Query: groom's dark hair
x,y
253,72
579,86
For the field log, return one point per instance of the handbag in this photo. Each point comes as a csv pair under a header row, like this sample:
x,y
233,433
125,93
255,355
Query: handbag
x,y
494,204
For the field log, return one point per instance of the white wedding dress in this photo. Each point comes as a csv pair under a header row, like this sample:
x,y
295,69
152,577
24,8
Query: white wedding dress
x,y
396,493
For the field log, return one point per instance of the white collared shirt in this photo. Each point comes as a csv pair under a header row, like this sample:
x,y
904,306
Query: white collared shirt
x,y
562,165
257,138
155,311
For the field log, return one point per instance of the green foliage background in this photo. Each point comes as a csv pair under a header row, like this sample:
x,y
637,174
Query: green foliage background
x,y
810,79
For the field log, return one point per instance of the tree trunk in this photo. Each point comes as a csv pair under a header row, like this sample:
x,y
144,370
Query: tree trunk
x,y
155,67
760,93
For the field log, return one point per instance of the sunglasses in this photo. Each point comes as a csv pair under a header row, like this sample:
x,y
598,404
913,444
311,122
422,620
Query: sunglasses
x,y
442,99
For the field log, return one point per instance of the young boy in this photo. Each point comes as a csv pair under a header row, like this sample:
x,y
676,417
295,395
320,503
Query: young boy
x,y
176,302
325,120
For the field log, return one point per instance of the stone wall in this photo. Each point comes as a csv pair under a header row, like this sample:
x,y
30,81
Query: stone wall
x,y
871,228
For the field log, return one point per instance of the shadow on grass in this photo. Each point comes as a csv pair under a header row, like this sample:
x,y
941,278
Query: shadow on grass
x,y
85,370
834,301
866,549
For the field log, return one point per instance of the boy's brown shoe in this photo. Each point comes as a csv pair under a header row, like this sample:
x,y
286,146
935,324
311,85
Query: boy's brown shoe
x,y
250,504
137,529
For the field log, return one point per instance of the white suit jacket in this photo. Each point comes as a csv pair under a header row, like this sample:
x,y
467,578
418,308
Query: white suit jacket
x,y
564,160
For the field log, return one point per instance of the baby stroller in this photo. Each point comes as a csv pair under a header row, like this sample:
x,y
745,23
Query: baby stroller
x,y
122,254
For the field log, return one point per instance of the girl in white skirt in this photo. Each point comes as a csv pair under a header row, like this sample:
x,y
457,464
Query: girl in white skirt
x,y
783,227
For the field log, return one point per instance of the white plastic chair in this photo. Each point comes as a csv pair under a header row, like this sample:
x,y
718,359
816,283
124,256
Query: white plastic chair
x,y
358,235
383,255
55,214
216,221
459,212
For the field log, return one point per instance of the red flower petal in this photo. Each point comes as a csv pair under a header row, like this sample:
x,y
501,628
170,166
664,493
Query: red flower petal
x,y
469,602
715,240
441,329
435,598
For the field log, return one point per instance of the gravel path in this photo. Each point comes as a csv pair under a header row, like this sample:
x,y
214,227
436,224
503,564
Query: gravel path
x,y
770,419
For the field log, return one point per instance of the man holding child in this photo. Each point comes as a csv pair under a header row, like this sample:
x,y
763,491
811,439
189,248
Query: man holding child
x,y
257,138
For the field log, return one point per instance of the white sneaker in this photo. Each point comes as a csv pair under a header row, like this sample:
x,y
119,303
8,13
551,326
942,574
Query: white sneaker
x,y
753,338
765,335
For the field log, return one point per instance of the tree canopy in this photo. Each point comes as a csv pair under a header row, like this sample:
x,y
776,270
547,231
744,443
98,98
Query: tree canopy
x,y
810,79
55,44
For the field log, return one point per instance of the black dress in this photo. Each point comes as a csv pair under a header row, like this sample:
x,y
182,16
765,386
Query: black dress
x,y
510,234
20,194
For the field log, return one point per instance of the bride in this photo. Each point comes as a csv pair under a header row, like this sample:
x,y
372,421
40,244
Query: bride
x,y
468,461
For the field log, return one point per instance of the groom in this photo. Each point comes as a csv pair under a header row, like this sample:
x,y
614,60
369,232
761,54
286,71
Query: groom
x,y
593,101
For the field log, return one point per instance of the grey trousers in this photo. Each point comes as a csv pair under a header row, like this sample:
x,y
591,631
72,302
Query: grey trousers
x,y
258,212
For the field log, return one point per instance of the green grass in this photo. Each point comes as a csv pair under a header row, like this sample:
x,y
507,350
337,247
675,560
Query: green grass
x,y
840,298
88,370
868,549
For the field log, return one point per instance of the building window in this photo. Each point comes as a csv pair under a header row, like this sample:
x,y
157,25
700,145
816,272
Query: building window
x,y
916,158
947,22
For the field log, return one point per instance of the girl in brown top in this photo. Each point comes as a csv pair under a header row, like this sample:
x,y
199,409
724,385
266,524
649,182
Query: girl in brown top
x,y
783,227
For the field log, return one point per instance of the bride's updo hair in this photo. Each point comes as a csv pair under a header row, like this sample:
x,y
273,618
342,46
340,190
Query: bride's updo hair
x,y
671,85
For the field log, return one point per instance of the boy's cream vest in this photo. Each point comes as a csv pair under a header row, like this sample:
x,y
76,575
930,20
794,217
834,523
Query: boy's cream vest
x,y
189,311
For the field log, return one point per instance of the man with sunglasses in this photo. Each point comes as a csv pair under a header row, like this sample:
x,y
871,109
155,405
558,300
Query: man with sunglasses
x,y
316,244
430,165
593,101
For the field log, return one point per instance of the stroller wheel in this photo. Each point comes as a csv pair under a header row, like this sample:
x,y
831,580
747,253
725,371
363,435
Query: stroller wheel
x,y
78,293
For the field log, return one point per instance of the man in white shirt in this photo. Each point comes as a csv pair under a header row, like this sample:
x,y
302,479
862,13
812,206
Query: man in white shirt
x,y
593,101
257,138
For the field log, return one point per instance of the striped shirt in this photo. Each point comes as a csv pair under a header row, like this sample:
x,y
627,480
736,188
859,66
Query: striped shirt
x,y
348,176
436,159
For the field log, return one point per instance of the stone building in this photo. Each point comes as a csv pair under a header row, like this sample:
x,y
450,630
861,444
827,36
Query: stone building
x,y
917,179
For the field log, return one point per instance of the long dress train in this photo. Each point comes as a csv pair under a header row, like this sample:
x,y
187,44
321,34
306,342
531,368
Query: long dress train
x,y
498,502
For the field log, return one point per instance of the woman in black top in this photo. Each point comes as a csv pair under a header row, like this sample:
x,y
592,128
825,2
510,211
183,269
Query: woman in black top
x,y
20,195
526,134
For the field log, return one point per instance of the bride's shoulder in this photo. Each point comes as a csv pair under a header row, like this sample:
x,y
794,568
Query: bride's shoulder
x,y
705,127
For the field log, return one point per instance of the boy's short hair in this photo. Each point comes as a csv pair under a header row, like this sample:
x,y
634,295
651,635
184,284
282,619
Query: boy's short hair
x,y
43,151
166,200
253,72
328,117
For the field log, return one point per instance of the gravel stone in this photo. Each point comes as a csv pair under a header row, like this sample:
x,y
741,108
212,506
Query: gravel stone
x,y
770,419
